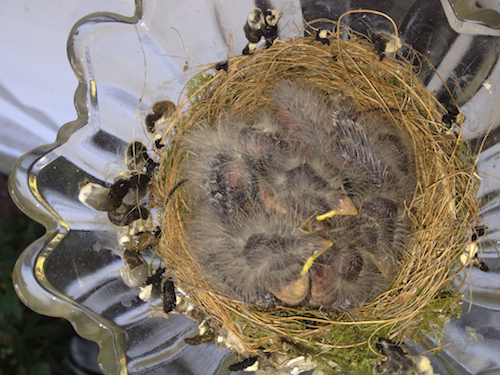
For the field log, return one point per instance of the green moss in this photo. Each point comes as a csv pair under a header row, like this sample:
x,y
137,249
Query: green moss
x,y
356,359
193,90
393,80
436,315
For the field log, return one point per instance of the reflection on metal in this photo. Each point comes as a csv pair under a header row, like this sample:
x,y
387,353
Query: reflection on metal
x,y
465,20
32,182
149,344
93,90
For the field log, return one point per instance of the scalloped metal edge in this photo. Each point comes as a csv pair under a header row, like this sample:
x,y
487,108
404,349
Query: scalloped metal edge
x,y
29,283
465,20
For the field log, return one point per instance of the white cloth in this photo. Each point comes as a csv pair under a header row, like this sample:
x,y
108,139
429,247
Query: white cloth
x,y
37,83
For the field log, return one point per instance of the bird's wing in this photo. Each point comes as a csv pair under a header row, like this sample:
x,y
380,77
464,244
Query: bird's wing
x,y
356,148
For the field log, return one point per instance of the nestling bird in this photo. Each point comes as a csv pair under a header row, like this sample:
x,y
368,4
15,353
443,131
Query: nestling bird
x,y
216,171
226,163
375,163
257,258
364,148
246,249
304,187
304,206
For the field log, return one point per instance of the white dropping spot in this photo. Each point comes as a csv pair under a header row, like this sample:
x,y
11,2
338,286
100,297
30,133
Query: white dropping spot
x,y
464,259
423,365
123,240
472,249
469,252
393,43
254,367
145,293
141,225
255,19
487,86
92,194
202,327
273,18
252,46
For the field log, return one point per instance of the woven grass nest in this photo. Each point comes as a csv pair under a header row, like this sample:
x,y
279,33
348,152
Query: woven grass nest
x,y
444,210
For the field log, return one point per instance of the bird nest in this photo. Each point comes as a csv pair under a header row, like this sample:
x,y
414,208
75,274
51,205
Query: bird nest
x,y
443,212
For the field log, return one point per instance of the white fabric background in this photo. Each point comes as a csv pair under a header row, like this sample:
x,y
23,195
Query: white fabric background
x,y
37,83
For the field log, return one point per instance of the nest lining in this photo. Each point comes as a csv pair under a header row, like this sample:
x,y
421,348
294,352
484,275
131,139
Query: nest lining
x,y
443,212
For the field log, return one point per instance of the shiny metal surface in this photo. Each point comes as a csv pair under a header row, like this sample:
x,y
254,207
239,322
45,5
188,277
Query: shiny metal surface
x,y
124,65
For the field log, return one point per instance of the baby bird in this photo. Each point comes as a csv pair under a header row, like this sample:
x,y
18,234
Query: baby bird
x,y
373,163
247,249
227,161
303,207
304,187
363,258
256,260
216,170
359,145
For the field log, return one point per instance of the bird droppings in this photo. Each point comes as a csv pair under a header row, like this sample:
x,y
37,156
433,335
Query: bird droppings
x,y
169,297
398,361
260,25
160,110
158,143
135,271
205,335
246,364
322,36
146,293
